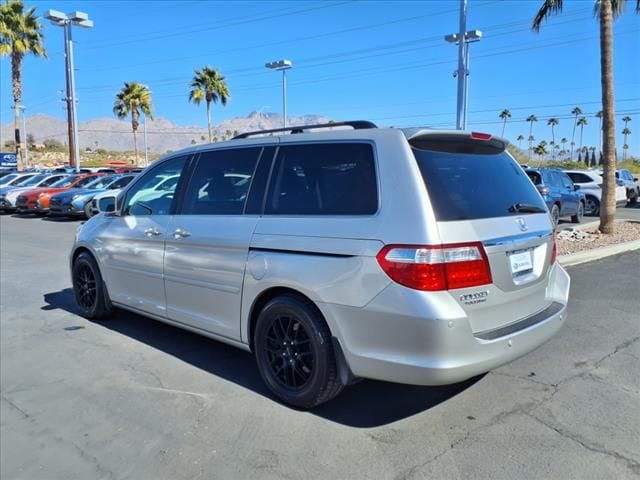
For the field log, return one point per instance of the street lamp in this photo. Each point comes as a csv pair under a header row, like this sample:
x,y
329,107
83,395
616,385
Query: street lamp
x,y
463,63
283,65
65,21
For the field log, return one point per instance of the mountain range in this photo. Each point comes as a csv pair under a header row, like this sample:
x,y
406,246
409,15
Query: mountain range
x,y
162,134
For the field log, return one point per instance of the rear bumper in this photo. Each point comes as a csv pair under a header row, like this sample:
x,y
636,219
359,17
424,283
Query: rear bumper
x,y
392,339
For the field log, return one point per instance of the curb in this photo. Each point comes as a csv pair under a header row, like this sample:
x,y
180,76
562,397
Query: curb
x,y
598,253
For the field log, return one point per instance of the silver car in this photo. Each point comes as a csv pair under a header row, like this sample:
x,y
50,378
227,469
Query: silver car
x,y
333,253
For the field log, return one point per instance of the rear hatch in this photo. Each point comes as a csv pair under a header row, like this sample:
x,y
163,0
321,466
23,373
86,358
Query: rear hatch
x,y
480,194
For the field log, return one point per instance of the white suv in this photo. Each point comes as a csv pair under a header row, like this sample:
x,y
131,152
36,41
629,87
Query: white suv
x,y
591,185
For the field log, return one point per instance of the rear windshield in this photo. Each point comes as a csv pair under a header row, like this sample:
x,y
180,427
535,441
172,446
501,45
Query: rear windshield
x,y
467,186
535,177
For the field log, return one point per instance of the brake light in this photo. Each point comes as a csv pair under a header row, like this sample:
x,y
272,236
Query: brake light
x,y
554,251
543,190
481,136
436,267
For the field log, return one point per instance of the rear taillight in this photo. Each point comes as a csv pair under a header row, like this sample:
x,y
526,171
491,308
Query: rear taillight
x,y
554,251
436,267
543,190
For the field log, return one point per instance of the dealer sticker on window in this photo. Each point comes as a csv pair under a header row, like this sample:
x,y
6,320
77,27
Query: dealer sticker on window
x,y
520,262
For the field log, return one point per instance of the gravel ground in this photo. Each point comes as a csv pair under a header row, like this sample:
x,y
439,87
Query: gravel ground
x,y
575,240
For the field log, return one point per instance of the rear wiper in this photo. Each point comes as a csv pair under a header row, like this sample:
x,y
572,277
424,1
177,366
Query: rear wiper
x,y
525,208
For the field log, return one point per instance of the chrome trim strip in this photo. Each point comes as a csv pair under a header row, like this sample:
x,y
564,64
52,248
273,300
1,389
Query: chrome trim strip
x,y
494,242
526,322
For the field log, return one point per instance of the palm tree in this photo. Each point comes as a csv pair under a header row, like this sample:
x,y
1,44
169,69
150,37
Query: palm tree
x,y
593,156
599,117
563,141
553,122
519,139
504,115
20,34
133,99
626,132
606,12
582,121
209,85
576,111
531,118
541,150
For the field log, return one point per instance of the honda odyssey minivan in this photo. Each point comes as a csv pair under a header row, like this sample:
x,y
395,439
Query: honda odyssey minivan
x,y
336,252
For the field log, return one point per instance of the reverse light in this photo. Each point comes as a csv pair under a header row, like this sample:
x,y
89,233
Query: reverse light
x,y
436,267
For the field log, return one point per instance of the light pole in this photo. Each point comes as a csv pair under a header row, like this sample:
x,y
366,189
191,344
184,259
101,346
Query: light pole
x,y
22,108
146,149
65,21
463,64
283,65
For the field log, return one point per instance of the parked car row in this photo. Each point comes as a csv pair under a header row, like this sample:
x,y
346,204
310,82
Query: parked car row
x,y
58,194
574,193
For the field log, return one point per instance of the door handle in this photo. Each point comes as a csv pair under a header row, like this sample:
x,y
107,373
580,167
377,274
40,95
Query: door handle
x,y
152,232
181,233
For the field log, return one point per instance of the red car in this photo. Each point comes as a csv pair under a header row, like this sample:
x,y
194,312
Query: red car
x,y
37,200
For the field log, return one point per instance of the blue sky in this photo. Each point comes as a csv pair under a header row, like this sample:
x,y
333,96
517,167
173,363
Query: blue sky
x,y
384,61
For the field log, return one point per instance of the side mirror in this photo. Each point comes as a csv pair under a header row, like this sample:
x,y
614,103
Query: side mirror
x,y
636,179
576,187
107,205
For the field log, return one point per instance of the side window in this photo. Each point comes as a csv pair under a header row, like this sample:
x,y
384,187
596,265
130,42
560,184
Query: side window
x,y
323,179
120,183
220,182
153,194
579,177
50,181
566,181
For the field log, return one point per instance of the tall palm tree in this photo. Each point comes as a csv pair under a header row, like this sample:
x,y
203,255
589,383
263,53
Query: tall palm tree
x,y
553,122
593,156
582,121
626,132
531,119
519,139
133,99
575,112
606,11
20,35
209,85
599,117
504,115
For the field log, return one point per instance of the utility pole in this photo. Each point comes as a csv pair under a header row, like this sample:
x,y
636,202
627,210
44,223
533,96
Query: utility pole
x,y
70,107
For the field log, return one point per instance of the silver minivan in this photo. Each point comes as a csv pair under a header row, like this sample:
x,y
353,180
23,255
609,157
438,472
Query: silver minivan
x,y
334,253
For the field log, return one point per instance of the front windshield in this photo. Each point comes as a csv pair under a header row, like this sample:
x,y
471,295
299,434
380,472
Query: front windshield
x,y
101,182
65,182
33,181
84,182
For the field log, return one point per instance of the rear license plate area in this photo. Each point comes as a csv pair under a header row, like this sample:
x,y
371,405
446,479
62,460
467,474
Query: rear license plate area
x,y
520,262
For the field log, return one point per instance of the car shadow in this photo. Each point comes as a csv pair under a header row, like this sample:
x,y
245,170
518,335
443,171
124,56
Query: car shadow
x,y
366,404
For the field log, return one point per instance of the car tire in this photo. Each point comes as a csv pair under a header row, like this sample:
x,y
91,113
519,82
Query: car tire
x,y
592,206
555,214
89,289
294,352
87,210
633,198
577,218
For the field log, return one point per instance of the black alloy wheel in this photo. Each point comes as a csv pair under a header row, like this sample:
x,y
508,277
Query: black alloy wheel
x,y
294,352
592,206
88,287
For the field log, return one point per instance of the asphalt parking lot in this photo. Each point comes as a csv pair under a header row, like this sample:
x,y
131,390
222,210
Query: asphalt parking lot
x,y
133,398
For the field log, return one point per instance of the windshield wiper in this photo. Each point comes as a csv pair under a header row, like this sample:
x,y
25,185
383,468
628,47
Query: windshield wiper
x,y
525,208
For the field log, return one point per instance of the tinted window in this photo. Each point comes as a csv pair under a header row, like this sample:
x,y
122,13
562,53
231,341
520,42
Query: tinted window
x,y
324,179
220,182
84,182
65,182
468,186
566,181
153,193
50,181
580,177
33,181
100,182
121,182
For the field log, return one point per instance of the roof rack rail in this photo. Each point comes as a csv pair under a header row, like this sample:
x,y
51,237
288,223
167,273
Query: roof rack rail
x,y
355,124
